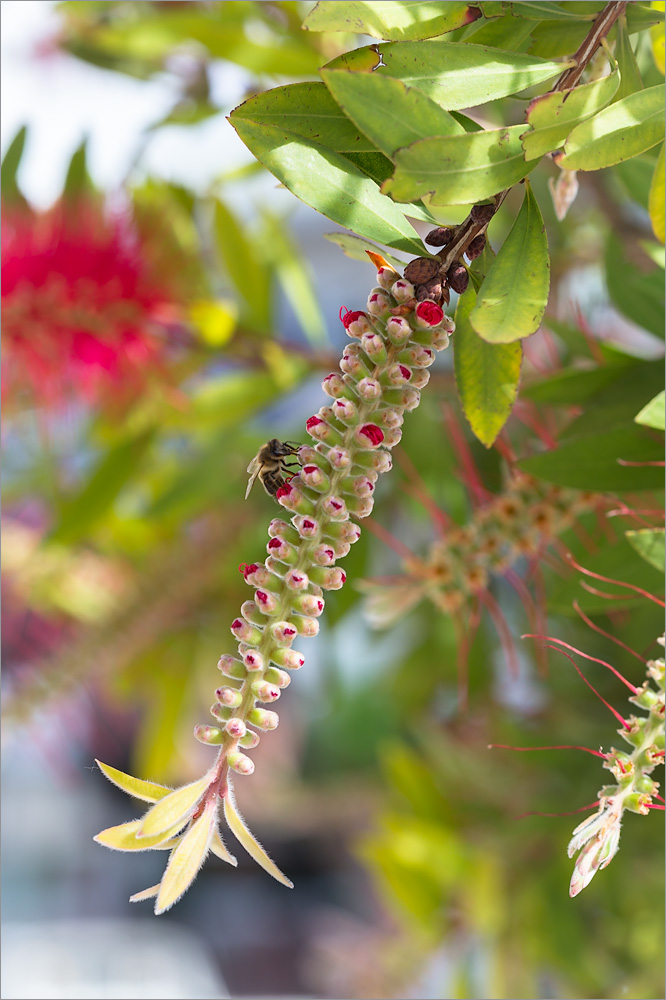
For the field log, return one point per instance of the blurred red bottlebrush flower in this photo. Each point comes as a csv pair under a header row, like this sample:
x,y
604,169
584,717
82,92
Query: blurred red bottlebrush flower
x,y
81,303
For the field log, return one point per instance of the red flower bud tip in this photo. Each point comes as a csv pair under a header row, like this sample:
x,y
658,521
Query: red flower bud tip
x,y
296,580
428,313
398,329
236,728
386,276
311,468
339,458
284,491
343,576
402,290
377,303
312,422
275,543
335,507
373,433
305,526
253,660
406,373
369,389
237,623
348,317
248,570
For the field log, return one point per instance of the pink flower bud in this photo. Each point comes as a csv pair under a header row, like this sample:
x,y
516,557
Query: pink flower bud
x,y
255,574
276,568
236,728
263,691
229,696
378,304
345,411
283,633
359,486
407,398
288,658
440,340
369,389
231,667
389,418
369,436
294,499
344,531
281,550
210,735
361,506
307,527
376,461
402,291
333,385
324,555
250,740
354,367
248,633
392,436
398,330
374,347
321,431
420,378
307,627
355,323
221,712
428,313
278,677
308,604
397,375
330,578
253,660
386,277
335,508
296,579
240,763
280,527
339,458
252,613
262,718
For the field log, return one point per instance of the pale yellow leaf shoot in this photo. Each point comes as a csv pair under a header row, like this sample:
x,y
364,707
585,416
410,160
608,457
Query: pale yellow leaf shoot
x,y
173,809
187,859
149,791
252,846
124,838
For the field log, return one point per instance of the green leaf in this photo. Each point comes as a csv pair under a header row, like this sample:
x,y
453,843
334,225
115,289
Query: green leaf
x,y
487,375
388,112
186,860
617,404
356,247
78,180
630,75
506,32
636,293
572,386
649,543
330,184
239,829
149,791
623,130
78,514
243,263
656,199
295,277
554,116
652,414
454,76
123,838
176,807
459,169
548,11
513,298
11,162
591,462
396,20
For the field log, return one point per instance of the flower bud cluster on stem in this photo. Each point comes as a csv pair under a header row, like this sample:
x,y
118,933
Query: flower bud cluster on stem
x,y
393,342
597,839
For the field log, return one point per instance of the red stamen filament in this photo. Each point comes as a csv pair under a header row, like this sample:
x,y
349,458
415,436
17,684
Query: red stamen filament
x,y
618,583
591,687
597,628
564,746
586,656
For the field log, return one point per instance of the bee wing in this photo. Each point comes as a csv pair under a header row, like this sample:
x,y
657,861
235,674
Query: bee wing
x,y
254,468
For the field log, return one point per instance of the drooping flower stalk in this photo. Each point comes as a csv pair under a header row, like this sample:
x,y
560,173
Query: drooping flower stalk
x,y
597,839
383,370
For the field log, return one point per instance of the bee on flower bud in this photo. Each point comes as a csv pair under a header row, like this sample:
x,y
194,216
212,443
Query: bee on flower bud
x,y
271,467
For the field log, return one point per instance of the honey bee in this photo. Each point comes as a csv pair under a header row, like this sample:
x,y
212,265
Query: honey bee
x,y
271,467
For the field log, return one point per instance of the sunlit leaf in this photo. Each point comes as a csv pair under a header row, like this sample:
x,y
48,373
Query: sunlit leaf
x,y
487,375
546,10
330,184
652,414
219,849
186,860
149,893
124,838
214,320
172,809
512,299
356,247
649,543
630,75
656,198
395,20
454,76
253,847
658,39
149,791
459,169
625,129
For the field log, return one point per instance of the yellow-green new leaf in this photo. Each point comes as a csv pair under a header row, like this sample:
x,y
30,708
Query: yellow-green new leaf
x,y
512,300
219,848
149,791
656,198
487,375
174,808
398,20
619,132
252,846
652,414
124,838
138,897
186,860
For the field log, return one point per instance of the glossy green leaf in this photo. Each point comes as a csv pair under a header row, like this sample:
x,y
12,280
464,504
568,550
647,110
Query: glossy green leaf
x,y
507,32
149,791
630,75
329,183
637,293
186,860
591,462
617,404
652,414
454,76
239,829
79,513
174,808
395,20
356,247
295,276
553,116
656,198
124,838
487,375
243,263
512,300
388,112
459,169
649,543
625,129
545,10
